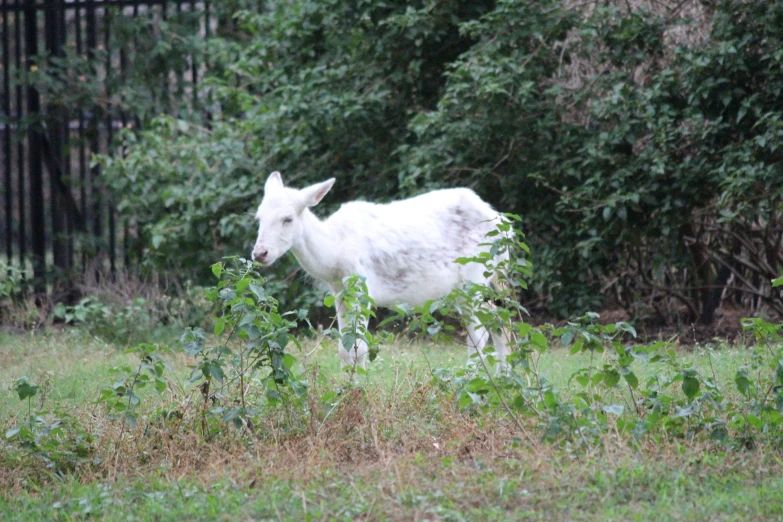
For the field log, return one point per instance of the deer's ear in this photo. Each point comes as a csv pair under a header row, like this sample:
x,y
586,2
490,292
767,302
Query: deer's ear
x,y
313,194
274,181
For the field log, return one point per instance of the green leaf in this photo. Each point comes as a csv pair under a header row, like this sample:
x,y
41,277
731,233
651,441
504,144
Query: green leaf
x,y
217,269
538,340
742,381
631,379
625,327
59,311
754,421
24,389
477,385
242,284
690,387
160,385
348,340
465,400
329,301
578,345
289,361
131,418
611,378
216,371
248,319
549,399
220,325
258,291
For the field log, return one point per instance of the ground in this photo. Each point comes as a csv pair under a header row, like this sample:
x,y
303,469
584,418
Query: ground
x,y
396,447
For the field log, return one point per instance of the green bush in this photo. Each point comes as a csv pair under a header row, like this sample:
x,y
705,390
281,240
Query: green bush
x,y
652,181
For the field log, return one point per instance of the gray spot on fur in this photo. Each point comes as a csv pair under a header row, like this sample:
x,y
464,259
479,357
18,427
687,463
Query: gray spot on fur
x,y
464,230
392,269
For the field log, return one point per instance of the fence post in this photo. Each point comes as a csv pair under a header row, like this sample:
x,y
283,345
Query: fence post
x,y
93,133
35,163
55,137
8,201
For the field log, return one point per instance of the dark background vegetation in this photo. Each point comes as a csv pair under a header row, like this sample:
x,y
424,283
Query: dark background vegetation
x,y
638,139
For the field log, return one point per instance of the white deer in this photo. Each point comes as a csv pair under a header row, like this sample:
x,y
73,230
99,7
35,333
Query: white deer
x,y
405,250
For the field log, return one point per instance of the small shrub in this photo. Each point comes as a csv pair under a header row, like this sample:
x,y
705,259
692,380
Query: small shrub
x,y
246,357
11,282
122,397
53,436
121,324
17,308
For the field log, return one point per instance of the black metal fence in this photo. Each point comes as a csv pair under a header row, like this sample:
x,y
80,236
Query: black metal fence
x,y
64,95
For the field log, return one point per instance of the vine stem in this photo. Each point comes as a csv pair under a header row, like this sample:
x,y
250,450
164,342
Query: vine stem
x,y
633,398
503,400
242,381
712,368
116,454
320,341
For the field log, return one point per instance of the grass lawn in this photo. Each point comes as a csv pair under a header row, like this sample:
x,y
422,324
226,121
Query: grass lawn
x,y
395,447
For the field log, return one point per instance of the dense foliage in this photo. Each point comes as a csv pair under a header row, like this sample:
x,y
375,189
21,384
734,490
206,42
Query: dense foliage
x,y
638,141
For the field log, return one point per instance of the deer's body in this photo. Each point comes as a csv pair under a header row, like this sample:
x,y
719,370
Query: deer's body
x,y
405,249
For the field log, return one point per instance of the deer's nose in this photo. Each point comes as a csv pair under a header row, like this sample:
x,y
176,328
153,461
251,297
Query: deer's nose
x,y
260,256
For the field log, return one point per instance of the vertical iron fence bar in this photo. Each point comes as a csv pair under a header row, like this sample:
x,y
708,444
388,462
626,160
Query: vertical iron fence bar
x,y
208,99
20,148
107,20
124,120
137,123
37,222
136,119
85,211
70,224
194,65
54,128
168,104
49,134
179,76
207,10
93,131
9,211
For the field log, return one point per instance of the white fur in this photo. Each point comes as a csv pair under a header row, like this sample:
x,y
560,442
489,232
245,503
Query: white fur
x,y
405,249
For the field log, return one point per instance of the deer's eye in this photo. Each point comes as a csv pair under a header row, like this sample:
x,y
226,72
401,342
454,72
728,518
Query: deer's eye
x,y
288,220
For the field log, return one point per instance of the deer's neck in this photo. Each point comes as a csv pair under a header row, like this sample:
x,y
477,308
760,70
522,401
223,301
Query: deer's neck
x,y
318,250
